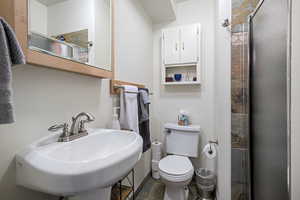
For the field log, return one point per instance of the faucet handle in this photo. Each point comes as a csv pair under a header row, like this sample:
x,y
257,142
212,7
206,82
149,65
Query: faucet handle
x,y
55,128
65,133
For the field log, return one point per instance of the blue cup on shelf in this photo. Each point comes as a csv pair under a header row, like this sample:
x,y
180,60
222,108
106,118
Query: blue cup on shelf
x,y
178,77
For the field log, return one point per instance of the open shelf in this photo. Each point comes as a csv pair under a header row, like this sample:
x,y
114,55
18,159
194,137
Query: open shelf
x,y
121,195
125,191
188,72
182,83
181,65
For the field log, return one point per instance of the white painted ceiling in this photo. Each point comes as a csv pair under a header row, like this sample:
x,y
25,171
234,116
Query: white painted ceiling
x,y
50,2
178,1
160,10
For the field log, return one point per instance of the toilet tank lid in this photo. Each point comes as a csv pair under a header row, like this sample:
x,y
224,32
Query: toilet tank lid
x,y
174,126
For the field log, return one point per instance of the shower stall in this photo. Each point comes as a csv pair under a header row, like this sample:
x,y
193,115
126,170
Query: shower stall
x,y
260,102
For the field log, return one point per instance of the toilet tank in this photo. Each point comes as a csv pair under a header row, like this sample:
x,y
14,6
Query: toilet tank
x,y
182,140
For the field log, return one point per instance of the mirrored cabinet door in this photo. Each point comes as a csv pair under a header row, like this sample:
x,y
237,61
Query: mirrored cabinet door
x,y
77,30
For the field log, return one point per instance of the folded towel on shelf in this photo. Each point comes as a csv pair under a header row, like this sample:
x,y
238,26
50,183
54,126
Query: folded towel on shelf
x,y
144,123
129,108
10,54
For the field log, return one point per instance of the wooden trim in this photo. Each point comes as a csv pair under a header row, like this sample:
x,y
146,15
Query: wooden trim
x,y
114,83
21,23
113,29
6,8
37,58
16,13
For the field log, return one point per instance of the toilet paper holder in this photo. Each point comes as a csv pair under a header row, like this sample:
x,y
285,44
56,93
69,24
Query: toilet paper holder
x,y
216,142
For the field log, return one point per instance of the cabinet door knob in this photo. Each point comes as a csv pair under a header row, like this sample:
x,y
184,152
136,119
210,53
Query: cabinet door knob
x,y
183,46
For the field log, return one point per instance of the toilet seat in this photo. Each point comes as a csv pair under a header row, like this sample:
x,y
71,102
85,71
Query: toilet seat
x,y
176,168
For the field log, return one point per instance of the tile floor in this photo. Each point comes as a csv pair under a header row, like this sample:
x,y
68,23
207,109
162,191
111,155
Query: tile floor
x,y
154,190
239,192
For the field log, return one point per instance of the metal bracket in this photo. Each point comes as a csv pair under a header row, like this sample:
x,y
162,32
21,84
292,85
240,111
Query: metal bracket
x,y
226,23
213,142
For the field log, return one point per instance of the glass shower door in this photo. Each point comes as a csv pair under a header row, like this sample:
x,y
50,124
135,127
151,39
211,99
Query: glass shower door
x,y
240,146
240,115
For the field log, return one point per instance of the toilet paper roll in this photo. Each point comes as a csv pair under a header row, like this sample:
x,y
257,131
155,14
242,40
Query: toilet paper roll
x,y
155,175
155,165
156,150
210,151
156,157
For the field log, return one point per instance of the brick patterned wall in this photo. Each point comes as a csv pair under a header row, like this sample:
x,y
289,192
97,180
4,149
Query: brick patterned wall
x,y
239,96
240,12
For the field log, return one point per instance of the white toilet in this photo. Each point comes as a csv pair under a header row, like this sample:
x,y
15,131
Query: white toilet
x,y
176,169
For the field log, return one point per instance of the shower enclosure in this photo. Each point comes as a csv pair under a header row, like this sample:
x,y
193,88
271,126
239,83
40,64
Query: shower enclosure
x,y
269,100
260,150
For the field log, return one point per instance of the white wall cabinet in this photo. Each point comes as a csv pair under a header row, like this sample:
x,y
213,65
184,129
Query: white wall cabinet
x,y
181,45
181,54
171,40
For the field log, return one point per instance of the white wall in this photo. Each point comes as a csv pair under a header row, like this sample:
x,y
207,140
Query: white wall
x,y
295,102
198,101
223,99
38,17
44,97
134,56
133,30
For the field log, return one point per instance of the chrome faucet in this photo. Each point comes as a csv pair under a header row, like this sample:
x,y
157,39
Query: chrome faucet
x,y
77,129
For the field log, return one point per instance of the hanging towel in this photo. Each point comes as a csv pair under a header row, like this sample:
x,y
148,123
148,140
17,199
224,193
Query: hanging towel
x,y
144,92
144,123
143,101
129,108
10,54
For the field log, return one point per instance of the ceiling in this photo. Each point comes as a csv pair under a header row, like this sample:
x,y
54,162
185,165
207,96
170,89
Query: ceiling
x,y
50,2
178,1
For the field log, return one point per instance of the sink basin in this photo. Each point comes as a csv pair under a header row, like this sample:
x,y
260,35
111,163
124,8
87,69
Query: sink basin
x,y
94,162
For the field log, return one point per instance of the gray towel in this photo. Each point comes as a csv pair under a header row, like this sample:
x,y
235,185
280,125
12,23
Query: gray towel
x,y
144,94
144,123
144,100
10,54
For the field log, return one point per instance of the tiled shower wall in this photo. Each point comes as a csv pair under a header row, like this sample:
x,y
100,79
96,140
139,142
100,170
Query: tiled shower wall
x,y
239,99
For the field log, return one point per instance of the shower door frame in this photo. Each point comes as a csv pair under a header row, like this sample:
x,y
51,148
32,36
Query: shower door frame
x,y
288,78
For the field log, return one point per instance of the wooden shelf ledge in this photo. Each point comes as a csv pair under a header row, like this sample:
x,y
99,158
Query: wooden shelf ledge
x,y
115,83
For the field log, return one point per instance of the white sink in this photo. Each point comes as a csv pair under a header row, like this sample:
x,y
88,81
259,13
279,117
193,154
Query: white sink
x,y
91,164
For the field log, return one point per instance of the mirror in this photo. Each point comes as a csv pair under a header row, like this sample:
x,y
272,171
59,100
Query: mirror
x,y
78,30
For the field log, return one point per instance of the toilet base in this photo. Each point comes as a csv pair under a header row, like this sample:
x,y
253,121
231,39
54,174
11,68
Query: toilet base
x,y
176,193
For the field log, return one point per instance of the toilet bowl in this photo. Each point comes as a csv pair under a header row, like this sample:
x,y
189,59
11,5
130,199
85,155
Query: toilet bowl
x,y
176,173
